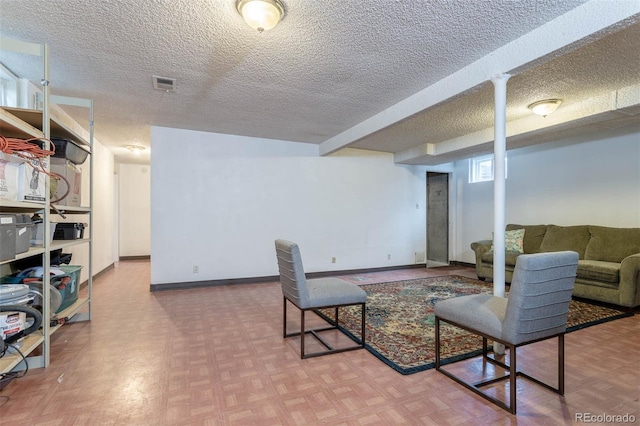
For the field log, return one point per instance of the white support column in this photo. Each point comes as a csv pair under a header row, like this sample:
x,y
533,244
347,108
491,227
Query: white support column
x,y
499,153
46,215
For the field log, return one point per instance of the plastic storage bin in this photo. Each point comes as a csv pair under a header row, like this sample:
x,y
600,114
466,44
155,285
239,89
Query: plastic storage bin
x,y
7,237
68,288
69,231
66,148
64,280
23,232
37,233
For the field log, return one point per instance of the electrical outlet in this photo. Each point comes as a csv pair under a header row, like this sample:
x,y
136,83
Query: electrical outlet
x,y
333,260
196,269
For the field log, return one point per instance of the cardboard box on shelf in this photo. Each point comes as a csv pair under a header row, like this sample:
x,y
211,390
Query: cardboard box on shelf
x,y
11,171
33,185
72,181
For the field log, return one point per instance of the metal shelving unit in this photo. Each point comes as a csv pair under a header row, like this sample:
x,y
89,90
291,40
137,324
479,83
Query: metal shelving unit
x,y
25,124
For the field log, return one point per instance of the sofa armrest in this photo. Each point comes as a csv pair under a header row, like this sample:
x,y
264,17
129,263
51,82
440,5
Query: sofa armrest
x,y
630,281
480,248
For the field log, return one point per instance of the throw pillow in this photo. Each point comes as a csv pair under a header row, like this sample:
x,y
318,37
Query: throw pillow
x,y
513,241
533,235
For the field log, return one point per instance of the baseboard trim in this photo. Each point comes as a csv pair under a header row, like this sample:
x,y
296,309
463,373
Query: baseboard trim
x,y
362,271
456,263
272,278
211,283
147,257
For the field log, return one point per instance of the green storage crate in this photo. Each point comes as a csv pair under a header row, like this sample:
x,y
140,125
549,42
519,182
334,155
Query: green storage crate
x,y
68,291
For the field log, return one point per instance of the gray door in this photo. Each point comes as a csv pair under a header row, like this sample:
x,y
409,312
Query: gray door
x,y
437,219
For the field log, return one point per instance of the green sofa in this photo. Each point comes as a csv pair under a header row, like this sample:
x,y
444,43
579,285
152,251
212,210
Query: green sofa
x,y
608,266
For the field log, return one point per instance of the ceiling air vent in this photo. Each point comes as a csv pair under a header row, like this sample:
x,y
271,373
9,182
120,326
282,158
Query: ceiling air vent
x,y
164,83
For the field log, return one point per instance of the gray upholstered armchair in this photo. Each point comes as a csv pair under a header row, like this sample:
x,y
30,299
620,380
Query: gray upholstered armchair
x,y
315,294
535,310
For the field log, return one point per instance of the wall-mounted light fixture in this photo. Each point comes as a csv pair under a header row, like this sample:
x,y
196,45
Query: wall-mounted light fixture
x,y
545,107
261,15
136,149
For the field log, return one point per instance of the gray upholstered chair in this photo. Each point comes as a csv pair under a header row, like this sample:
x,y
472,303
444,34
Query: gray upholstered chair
x,y
535,310
315,294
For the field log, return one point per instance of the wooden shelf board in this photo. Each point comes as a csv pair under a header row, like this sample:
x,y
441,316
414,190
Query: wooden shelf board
x,y
34,119
58,244
70,312
36,250
71,210
12,126
28,344
8,206
33,251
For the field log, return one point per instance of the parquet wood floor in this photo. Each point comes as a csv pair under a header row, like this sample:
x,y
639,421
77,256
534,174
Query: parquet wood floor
x,y
216,356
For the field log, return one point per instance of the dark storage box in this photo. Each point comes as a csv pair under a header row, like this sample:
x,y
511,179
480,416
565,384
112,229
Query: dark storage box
x,y
69,231
72,151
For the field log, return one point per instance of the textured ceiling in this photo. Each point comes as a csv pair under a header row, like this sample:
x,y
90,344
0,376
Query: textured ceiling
x,y
600,67
327,67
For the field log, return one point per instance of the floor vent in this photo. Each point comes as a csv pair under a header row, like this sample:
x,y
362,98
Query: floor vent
x,y
164,83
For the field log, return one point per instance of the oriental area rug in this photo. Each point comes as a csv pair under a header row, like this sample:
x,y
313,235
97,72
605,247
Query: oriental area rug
x,y
400,325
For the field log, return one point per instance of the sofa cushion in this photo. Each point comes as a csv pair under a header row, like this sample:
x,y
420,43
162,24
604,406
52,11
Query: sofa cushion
x,y
598,270
612,244
560,238
533,235
509,258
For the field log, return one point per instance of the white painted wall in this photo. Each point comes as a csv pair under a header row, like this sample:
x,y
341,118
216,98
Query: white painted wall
x,y
104,209
189,143
134,204
586,181
220,201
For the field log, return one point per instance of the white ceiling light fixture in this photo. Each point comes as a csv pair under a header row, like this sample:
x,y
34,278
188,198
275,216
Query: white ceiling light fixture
x,y
545,107
136,149
261,15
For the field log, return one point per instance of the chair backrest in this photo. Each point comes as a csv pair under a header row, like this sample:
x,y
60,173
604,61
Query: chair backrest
x,y
539,296
292,277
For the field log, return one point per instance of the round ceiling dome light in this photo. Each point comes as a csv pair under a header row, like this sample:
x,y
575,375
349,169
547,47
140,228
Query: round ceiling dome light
x,y
545,107
261,15
136,149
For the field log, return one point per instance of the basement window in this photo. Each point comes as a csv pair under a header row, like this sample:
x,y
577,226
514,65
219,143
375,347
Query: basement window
x,y
481,168
8,87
